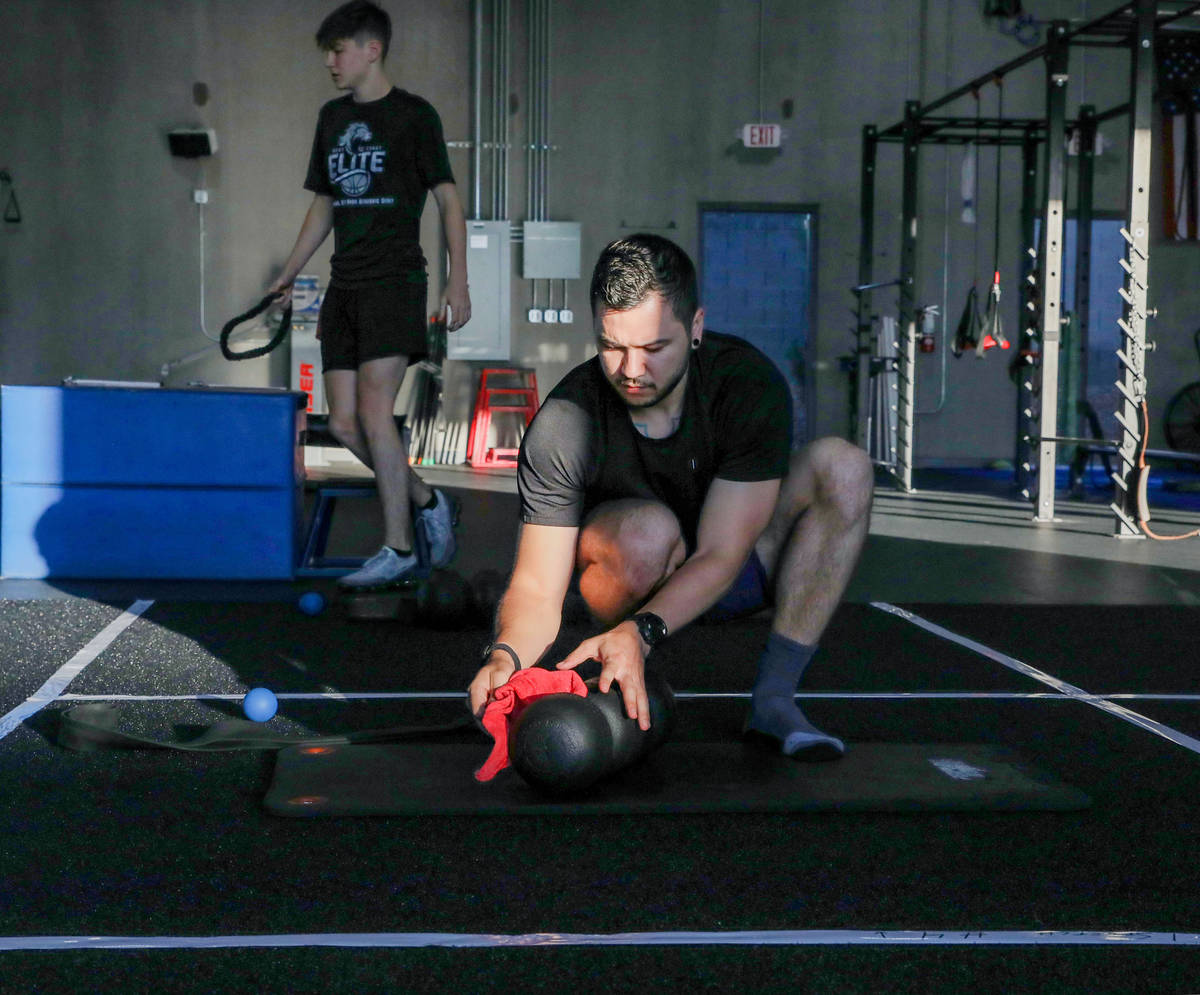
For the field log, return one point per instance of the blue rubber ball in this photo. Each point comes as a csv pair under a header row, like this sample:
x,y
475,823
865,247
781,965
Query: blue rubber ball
x,y
311,603
259,704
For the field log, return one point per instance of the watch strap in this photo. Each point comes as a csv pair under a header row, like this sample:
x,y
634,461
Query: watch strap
x,y
503,647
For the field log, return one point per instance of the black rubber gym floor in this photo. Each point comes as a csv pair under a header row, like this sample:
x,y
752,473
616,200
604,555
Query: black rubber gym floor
x,y
178,846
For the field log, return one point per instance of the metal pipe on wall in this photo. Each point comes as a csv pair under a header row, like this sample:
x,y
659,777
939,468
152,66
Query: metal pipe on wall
x,y
545,112
540,151
543,10
500,83
493,123
502,102
535,107
538,116
492,135
541,110
476,108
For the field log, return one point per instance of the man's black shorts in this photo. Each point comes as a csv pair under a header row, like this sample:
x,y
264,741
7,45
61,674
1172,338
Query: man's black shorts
x,y
372,322
746,595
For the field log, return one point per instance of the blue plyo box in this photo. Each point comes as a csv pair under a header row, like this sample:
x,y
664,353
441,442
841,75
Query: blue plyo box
x,y
127,482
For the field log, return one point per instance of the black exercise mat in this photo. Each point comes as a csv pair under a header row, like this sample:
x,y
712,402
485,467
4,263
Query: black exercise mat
x,y
438,779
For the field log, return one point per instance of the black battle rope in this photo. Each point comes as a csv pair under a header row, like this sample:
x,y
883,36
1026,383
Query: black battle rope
x,y
285,324
96,726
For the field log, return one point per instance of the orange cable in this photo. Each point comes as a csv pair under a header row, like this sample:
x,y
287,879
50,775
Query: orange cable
x,y
1143,468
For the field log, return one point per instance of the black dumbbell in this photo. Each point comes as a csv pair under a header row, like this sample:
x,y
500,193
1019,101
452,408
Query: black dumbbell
x,y
487,587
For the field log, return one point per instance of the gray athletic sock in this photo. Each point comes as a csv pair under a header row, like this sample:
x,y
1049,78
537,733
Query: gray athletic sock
x,y
773,710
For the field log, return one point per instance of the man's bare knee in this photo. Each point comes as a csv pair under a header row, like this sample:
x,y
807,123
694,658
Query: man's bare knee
x,y
641,533
378,428
843,478
627,548
345,429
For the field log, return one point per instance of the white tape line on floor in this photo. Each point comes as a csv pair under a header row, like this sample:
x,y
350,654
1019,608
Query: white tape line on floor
x,y
799,937
680,695
1096,701
65,674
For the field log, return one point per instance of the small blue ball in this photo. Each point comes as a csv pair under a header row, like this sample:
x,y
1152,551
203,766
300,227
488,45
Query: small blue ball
x,y
311,603
259,704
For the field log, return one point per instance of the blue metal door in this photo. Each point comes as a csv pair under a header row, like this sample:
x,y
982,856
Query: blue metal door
x,y
757,271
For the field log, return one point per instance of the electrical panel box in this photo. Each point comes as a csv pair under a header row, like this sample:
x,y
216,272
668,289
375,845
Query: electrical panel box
x,y
488,335
551,250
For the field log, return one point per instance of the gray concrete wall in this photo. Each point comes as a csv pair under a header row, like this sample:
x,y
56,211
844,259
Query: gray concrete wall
x,y
101,279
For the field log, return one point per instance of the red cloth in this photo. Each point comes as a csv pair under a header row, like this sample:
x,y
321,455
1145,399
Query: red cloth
x,y
511,699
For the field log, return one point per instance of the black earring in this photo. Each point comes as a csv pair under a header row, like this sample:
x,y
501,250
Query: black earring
x,y
695,343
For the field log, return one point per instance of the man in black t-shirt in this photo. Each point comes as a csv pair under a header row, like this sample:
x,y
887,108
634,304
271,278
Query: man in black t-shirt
x,y
586,447
662,470
376,153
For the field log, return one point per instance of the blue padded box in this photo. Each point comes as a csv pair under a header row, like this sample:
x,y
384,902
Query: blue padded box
x,y
128,482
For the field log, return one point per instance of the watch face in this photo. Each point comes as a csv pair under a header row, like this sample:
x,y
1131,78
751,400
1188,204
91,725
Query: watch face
x,y
652,628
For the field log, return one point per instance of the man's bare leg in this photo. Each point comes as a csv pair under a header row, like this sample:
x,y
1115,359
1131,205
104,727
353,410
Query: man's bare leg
x,y
809,549
361,417
379,382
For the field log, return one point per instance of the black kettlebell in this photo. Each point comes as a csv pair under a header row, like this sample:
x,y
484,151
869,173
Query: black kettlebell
x,y
561,744
487,587
630,741
564,743
444,601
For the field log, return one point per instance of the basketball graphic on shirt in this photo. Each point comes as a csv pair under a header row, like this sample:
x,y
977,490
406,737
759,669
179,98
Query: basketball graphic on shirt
x,y
355,184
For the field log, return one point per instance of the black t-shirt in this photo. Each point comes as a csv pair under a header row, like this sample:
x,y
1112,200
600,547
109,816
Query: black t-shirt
x,y
377,160
582,448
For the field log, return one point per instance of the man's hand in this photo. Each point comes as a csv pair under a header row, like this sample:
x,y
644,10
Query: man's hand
x,y
456,306
492,675
622,657
282,286
454,226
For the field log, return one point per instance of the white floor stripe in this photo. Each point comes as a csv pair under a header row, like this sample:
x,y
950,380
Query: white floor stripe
x,y
1096,701
72,668
752,938
679,695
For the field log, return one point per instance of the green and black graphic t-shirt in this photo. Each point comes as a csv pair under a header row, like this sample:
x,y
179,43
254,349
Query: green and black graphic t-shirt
x,y
377,160
582,448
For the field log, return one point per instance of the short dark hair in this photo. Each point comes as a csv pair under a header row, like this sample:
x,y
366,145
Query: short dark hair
x,y
631,269
359,19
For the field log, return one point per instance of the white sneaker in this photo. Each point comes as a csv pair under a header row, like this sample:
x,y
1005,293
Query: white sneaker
x,y
385,568
437,524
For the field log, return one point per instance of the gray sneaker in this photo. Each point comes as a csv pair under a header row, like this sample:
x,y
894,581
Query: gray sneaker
x,y
383,569
437,524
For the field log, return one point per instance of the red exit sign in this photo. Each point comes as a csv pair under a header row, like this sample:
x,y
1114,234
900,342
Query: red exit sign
x,y
762,136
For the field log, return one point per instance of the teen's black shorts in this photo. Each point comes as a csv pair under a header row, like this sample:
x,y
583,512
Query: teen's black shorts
x,y
372,322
